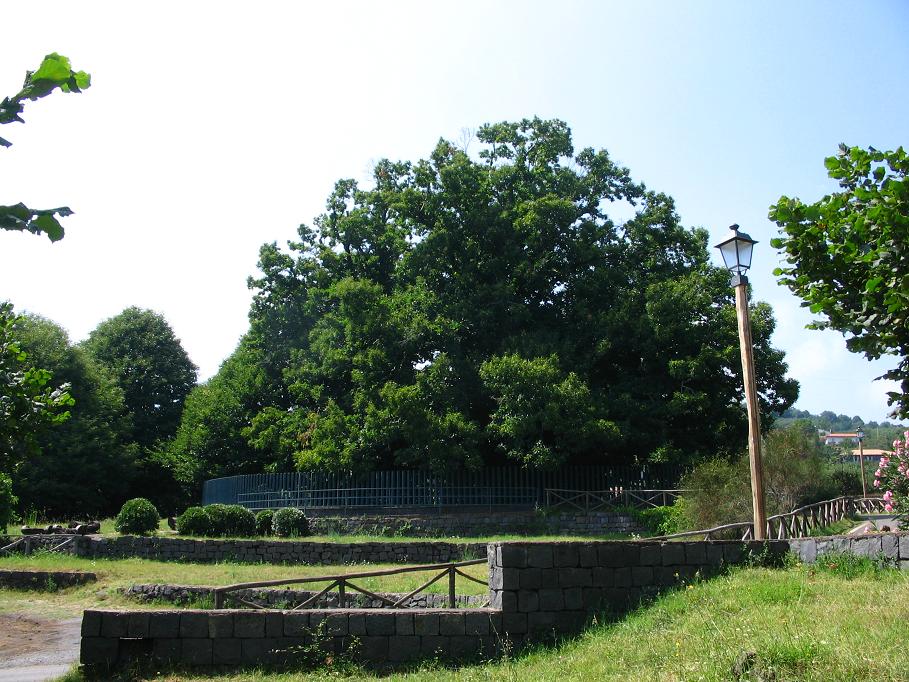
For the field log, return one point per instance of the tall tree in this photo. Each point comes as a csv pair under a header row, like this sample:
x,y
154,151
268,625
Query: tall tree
x,y
464,312
150,366
848,256
82,468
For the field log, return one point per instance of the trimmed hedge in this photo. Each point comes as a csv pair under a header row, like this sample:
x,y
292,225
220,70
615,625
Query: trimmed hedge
x,y
138,516
263,522
290,522
217,520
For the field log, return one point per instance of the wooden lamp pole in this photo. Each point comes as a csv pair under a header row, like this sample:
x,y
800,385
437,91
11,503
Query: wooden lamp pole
x,y
737,255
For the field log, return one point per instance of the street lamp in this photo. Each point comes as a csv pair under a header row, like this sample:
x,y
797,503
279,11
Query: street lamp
x,y
736,251
860,434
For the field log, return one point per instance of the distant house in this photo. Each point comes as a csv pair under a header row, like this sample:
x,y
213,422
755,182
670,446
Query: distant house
x,y
871,454
837,438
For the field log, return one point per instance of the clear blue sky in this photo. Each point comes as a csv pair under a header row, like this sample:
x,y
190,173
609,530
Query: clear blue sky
x,y
212,127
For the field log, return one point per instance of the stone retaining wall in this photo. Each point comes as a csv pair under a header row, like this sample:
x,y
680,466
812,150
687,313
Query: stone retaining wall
x,y
892,547
276,551
44,580
275,598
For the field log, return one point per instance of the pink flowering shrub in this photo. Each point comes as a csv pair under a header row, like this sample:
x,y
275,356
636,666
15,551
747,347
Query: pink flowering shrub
x,y
892,478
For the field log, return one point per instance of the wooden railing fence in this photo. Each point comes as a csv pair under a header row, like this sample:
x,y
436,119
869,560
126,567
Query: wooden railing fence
x,y
343,582
797,523
611,499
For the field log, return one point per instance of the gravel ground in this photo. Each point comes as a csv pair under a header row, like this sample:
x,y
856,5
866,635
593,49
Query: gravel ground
x,y
36,649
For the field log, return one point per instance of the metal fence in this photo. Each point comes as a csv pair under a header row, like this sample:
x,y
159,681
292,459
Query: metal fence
x,y
491,487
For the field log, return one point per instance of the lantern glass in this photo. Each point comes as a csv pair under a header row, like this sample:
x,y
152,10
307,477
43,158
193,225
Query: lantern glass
x,y
736,251
860,434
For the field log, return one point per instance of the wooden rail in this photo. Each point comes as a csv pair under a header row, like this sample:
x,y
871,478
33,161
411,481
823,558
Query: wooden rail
x,y
797,523
343,582
611,499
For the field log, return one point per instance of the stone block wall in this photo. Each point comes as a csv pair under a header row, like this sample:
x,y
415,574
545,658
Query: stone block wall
x,y
235,638
276,551
893,547
44,580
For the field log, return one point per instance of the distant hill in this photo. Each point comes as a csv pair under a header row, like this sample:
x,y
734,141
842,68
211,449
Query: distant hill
x,y
877,434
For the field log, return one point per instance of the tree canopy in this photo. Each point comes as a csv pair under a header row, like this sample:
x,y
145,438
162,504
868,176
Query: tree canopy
x,y
467,311
847,256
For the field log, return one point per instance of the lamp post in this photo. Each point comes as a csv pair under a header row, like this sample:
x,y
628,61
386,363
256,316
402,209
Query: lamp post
x,y
860,434
736,251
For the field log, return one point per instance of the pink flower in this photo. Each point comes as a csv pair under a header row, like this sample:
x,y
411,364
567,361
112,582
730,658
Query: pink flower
x,y
878,473
888,495
877,483
888,507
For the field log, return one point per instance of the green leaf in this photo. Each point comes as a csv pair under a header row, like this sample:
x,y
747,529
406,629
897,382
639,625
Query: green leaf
x,y
831,163
54,68
50,226
5,143
873,284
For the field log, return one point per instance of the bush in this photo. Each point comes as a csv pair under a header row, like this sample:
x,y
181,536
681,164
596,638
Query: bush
x,y
239,521
137,517
263,522
290,522
7,501
663,520
194,521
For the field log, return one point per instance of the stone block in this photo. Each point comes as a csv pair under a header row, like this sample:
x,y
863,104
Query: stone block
x,y
274,624
250,625
404,624
587,556
540,622
164,624
570,622
434,646
513,555
194,624
196,651
451,623
651,554
890,546
114,624
623,577
867,546
714,553
904,546
379,624
550,599
167,649
296,624
733,552
641,575
220,625
565,555
403,648
476,623
509,600
673,554
514,623
695,553
336,625
426,624
137,625
91,624
463,647
99,651
528,600
575,577
591,599
603,576
374,648
226,651
572,598
528,579
539,556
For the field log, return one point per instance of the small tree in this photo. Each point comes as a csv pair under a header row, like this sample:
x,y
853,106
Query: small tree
x,y
137,517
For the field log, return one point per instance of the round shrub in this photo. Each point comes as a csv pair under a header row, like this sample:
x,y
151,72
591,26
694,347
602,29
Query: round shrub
x,y
218,519
290,522
239,521
263,522
194,521
137,517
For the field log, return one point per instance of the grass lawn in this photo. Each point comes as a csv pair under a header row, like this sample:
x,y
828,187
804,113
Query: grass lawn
x,y
117,573
848,622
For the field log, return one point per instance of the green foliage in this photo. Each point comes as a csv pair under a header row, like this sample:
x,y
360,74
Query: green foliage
x,y
663,520
264,521
194,521
83,467
795,474
290,522
466,312
137,517
28,404
217,520
54,72
139,350
7,501
850,566
846,256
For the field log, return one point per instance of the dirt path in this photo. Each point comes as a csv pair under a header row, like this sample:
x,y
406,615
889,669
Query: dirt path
x,y
36,649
